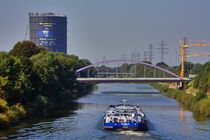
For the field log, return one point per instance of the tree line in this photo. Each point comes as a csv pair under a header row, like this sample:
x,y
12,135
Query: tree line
x,y
33,79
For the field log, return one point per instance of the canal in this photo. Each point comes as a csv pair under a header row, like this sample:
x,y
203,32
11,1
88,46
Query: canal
x,y
83,120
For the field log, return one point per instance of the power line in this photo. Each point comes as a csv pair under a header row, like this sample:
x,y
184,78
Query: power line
x,y
104,58
145,55
163,50
132,56
135,55
151,54
124,57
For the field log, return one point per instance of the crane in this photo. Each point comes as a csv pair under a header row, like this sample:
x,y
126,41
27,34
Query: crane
x,y
183,45
194,55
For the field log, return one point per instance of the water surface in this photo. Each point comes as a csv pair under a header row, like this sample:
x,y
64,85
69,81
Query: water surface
x,y
83,119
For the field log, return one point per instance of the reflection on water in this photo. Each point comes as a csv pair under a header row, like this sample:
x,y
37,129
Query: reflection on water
x,y
83,119
200,117
182,114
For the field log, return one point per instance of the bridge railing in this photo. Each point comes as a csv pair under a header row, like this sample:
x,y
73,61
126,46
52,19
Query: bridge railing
x,y
127,69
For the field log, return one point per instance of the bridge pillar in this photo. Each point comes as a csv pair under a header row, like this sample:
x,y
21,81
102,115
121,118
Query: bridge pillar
x,y
116,72
135,68
145,71
106,72
154,73
88,73
181,85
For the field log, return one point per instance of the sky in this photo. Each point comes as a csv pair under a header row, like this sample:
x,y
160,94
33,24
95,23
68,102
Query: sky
x,y
113,29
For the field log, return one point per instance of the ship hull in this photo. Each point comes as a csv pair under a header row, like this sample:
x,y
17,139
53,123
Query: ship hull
x,y
126,126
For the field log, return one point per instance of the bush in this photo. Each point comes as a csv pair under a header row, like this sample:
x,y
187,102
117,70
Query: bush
x,y
188,101
199,95
19,109
4,120
202,106
161,87
41,103
3,105
12,115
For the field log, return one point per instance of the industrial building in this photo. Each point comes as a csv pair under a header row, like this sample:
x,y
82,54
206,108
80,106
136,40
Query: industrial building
x,y
49,30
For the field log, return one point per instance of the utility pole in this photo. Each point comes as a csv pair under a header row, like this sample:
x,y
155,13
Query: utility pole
x,y
151,54
132,56
124,57
104,58
163,50
138,56
135,56
145,55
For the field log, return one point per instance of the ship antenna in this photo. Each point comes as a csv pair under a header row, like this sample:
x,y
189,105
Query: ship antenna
x,y
124,101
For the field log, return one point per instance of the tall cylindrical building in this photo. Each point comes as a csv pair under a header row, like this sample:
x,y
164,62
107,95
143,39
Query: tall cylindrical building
x,y
49,30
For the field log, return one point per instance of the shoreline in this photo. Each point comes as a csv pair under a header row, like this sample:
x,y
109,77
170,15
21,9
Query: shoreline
x,y
18,113
198,106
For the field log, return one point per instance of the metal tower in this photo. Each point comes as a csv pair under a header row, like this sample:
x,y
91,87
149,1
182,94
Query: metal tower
x,y
151,54
145,55
163,50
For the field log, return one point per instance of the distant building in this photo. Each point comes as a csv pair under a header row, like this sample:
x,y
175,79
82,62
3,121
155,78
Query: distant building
x,y
49,30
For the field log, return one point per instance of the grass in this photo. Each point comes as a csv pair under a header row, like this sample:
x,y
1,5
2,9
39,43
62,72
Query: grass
x,y
198,103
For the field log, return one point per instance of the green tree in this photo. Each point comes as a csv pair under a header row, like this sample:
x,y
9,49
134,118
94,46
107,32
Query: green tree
x,y
11,76
196,68
162,65
83,63
202,81
26,49
188,68
56,71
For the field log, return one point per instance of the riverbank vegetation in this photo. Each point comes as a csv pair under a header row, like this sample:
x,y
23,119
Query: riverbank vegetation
x,y
197,103
196,96
33,79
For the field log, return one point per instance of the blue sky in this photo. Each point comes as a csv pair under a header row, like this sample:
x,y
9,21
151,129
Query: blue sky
x,y
111,28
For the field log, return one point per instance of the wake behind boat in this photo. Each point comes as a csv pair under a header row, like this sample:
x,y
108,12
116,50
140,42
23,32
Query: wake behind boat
x,y
125,116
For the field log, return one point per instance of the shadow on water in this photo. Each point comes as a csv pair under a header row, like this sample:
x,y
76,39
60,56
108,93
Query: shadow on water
x,y
40,119
125,92
200,117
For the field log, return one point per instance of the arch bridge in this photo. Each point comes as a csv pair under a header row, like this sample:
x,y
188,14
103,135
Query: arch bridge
x,y
126,71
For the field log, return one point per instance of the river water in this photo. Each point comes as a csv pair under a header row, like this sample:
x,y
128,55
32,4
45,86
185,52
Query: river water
x,y
83,120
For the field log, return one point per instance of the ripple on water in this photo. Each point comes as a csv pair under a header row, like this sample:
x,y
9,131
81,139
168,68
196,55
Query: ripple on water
x,y
165,119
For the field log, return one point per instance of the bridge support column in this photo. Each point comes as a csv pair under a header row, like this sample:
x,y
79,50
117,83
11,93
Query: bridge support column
x,y
181,85
145,74
97,71
154,73
135,68
116,72
88,73
164,74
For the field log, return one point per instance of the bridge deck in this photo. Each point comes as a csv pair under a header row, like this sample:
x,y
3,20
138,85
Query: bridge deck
x,y
127,80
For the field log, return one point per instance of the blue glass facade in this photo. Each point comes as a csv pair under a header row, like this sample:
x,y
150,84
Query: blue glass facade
x,y
49,30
